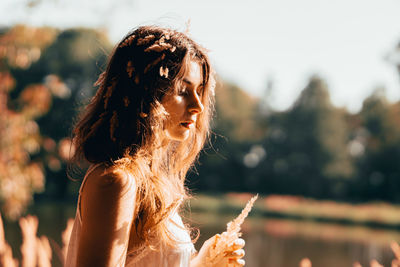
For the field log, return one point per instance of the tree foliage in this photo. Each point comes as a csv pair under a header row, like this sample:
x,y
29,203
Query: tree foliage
x,y
21,174
44,74
313,148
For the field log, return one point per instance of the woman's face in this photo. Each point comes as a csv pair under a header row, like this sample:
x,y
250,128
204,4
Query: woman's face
x,y
185,105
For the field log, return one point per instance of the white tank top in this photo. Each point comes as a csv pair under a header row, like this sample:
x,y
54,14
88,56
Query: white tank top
x,y
163,257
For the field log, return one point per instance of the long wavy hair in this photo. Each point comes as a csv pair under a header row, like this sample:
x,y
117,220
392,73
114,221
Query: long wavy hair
x,y
123,124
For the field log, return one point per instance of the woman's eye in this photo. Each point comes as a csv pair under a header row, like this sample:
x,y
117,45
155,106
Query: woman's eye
x,y
183,92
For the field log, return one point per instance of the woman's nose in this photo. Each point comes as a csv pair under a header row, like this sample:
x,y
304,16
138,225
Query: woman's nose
x,y
195,105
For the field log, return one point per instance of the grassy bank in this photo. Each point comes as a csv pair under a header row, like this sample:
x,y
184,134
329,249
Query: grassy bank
x,y
375,214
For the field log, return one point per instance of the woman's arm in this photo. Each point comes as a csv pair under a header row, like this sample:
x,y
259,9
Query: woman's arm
x,y
107,208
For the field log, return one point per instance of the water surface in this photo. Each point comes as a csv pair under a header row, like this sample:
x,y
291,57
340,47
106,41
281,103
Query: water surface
x,y
269,241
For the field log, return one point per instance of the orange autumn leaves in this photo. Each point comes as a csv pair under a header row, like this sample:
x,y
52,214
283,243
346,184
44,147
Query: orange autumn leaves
x,y
20,138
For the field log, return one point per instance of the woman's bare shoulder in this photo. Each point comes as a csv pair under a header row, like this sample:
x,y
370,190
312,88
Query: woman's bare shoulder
x,y
110,179
108,191
107,209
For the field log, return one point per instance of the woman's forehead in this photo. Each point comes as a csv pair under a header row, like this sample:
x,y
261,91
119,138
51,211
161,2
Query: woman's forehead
x,y
193,75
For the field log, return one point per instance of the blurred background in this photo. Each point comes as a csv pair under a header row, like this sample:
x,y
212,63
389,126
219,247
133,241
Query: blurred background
x,y
307,116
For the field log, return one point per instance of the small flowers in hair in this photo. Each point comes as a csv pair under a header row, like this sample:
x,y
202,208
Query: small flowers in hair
x,y
164,72
188,25
155,62
130,68
128,41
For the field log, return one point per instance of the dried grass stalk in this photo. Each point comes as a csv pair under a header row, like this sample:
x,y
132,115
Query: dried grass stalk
x,y
96,125
3,242
375,263
126,101
113,125
109,92
43,252
221,245
130,68
65,236
159,46
145,40
396,249
155,62
137,79
6,257
29,226
128,41
305,263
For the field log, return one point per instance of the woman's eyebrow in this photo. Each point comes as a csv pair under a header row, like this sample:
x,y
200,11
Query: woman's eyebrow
x,y
190,83
187,81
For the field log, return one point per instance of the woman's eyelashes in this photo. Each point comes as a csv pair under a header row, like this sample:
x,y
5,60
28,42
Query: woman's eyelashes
x,y
186,91
183,91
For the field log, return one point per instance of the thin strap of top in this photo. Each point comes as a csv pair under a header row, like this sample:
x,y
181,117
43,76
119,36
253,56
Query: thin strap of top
x,y
89,171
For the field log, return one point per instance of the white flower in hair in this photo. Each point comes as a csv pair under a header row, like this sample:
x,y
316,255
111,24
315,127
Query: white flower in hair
x,y
164,72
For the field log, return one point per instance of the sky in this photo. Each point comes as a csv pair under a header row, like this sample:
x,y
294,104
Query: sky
x,y
349,43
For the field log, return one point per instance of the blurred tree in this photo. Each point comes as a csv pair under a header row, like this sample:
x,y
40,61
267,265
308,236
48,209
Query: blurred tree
x,y
20,46
379,171
237,115
306,144
20,173
68,68
51,74
236,127
45,76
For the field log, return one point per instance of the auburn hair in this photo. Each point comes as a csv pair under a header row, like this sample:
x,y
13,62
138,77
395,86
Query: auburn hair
x,y
123,124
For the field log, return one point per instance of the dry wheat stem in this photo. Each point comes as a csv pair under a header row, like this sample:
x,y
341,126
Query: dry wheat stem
x,y
222,244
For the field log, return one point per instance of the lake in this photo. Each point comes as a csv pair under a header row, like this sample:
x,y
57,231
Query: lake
x,y
270,242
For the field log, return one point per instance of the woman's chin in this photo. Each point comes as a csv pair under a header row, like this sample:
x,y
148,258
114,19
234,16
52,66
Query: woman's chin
x,y
178,135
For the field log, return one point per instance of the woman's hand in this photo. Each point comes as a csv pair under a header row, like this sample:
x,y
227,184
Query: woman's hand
x,y
233,254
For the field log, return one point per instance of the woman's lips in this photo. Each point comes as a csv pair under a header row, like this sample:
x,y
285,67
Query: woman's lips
x,y
187,124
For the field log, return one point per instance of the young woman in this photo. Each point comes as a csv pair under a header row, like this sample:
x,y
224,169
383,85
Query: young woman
x,y
141,132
